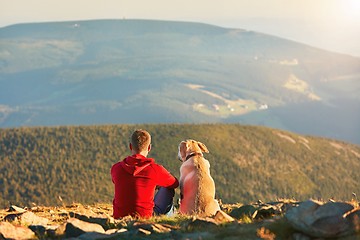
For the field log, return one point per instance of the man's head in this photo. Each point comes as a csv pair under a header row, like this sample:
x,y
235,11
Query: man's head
x,y
140,141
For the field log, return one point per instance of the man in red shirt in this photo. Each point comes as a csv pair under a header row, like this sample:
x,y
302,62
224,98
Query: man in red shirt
x,y
136,178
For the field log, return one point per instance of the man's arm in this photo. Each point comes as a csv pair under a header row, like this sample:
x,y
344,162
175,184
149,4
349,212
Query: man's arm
x,y
165,178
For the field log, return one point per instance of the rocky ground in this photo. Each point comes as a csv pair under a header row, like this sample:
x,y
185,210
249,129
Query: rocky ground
x,y
283,219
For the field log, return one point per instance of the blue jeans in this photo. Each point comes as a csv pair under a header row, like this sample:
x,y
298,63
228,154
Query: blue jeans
x,y
163,201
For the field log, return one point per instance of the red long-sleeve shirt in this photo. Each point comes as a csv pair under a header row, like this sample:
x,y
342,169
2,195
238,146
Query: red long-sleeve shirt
x,y
135,179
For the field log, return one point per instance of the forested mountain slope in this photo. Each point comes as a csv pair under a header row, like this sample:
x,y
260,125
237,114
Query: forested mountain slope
x,y
56,165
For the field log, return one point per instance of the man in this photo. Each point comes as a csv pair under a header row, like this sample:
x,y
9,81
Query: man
x,y
136,178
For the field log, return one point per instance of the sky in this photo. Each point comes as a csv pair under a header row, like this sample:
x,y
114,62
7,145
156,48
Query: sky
x,y
328,24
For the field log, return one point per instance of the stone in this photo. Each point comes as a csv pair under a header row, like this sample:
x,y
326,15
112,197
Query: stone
x,y
17,209
102,220
45,230
114,230
76,227
300,236
153,227
96,236
143,231
59,231
26,218
10,231
267,211
246,210
202,223
39,230
222,217
324,220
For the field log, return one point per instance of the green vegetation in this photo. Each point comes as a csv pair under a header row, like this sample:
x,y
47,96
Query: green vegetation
x,y
57,165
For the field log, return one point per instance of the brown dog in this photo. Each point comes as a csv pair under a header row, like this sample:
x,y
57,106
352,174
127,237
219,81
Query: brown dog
x,y
197,187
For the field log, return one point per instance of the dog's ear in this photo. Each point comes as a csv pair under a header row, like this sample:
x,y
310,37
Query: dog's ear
x,y
182,150
203,147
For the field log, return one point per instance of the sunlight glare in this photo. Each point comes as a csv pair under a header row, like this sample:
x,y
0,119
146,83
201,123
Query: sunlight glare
x,y
351,10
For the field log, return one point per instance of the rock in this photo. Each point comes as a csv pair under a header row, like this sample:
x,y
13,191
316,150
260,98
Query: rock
x,y
197,235
26,218
17,209
153,227
93,236
329,220
246,210
114,230
39,230
96,236
143,231
10,231
222,217
59,231
102,220
45,230
76,227
267,211
300,236
202,223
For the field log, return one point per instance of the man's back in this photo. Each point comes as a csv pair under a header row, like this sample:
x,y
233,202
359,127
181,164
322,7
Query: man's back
x,y
135,179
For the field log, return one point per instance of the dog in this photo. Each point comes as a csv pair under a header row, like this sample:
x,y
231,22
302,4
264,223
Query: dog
x,y
197,187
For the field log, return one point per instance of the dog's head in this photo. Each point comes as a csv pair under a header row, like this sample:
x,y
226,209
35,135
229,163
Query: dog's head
x,y
189,147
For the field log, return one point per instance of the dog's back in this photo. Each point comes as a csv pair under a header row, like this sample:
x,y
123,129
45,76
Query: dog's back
x,y
205,203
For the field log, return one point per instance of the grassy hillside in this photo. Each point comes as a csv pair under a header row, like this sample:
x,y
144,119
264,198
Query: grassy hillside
x,y
51,165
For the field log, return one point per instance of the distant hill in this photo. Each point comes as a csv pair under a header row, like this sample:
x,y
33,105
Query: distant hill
x,y
61,165
143,71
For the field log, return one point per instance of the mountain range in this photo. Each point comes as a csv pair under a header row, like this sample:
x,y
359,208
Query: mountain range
x,y
146,71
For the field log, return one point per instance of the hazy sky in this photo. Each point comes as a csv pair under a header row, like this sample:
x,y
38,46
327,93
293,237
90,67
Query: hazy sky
x,y
329,24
